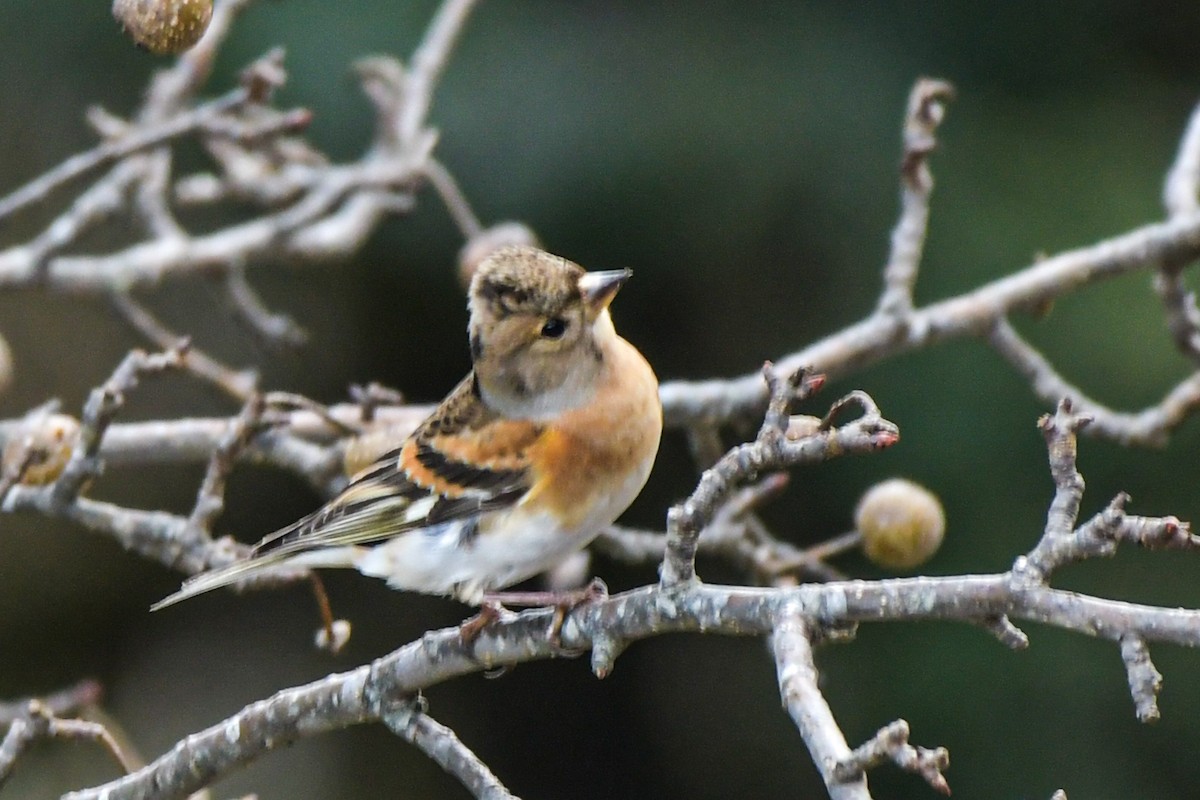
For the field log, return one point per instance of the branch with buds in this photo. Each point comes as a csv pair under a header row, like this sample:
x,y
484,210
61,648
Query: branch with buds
x,y
309,209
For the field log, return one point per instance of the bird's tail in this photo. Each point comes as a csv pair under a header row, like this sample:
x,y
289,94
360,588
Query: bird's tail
x,y
258,566
216,578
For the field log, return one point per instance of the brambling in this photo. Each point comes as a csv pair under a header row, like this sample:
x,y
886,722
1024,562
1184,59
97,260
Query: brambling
x,y
548,439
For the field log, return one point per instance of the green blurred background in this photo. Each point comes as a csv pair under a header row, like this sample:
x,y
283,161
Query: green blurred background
x,y
741,158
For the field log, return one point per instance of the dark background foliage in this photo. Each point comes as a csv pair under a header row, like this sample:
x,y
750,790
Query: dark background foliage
x,y
741,158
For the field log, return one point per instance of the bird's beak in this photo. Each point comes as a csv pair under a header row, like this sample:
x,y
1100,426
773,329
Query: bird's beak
x,y
599,288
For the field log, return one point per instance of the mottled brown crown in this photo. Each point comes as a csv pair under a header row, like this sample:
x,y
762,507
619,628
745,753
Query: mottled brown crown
x,y
523,279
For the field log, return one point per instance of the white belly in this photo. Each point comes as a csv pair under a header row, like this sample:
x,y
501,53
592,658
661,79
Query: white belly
x,y
446,560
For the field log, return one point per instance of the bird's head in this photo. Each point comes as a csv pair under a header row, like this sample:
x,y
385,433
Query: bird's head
x,y
539,330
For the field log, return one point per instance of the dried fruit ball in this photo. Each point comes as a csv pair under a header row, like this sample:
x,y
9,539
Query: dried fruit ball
x,y
164,26
44,449
902,523
482,244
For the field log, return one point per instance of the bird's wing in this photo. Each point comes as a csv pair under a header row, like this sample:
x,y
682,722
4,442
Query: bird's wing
x,y
462,461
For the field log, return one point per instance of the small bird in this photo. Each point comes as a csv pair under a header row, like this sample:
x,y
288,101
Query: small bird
x,y
547,440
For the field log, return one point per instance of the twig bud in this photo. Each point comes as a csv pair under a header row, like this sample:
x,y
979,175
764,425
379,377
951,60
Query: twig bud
x,y
164,27
902,524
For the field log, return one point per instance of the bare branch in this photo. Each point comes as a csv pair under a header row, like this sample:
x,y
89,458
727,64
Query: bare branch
x,y
1059,431
1181,197
113,151
1149,427
1005,632
296,443
797,675
98,412
428,64
64,702
890,743
357,696
772,450
972,314
39,722
452,197
1181,190
210,501
277,330
1063,543
736,535
238,384
410,722
101,201
1144,680
926,109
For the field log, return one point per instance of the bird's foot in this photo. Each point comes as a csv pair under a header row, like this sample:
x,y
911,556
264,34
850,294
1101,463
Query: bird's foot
x,y
489,611
563,603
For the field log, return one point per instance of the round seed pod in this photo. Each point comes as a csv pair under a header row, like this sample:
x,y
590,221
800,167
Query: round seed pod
x,y
43,448
164,27
483,243
902,523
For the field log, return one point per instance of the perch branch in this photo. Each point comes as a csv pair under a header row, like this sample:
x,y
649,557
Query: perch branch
x,y
357,696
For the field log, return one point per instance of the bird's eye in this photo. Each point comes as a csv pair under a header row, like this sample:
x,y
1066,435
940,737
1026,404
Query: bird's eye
x,y
554,328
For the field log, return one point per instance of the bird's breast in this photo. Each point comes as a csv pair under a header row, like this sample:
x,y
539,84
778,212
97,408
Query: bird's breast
x,y
593,461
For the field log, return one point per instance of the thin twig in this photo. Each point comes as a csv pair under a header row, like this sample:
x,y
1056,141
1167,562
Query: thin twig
x,y
890,743
238,384
62,703
210,500
972,314
102,405
1149,427
111,152
1181,190
771,450
278,330
452,197
926,109
1144,680
428,63
1181,197
410,722
796,671
39,722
